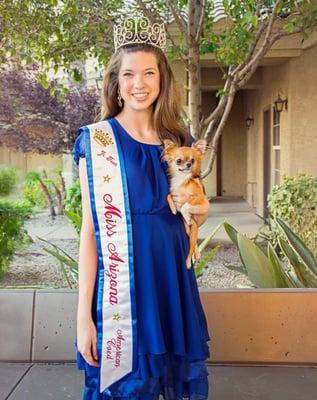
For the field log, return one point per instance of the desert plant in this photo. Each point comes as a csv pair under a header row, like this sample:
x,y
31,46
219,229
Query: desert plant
x,y
295,202
67,264
267,271
199,265
8,179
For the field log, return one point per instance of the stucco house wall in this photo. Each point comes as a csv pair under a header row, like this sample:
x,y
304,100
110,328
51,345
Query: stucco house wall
x,y
295,79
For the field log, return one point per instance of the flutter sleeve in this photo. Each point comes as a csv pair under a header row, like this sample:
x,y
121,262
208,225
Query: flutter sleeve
x,y
79,149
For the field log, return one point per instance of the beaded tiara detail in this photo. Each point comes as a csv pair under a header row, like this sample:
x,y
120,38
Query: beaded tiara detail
x,y
139,30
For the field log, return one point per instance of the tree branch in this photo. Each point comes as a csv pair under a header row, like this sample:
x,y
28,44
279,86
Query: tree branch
x,y
148,14
255,62
221,104
218,132
252,48
201,20
178,17
266,38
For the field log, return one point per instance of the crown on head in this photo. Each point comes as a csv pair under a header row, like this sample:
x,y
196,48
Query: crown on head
x,y
139,30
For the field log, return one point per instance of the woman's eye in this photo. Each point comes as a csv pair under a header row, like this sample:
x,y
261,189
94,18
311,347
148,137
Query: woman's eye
x,y
127,74
178,161
150,72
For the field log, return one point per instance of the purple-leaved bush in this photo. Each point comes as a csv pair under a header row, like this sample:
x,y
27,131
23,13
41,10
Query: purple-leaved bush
x,y
31,120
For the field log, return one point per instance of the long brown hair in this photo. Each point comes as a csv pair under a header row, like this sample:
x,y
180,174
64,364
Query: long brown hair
x,y
167,121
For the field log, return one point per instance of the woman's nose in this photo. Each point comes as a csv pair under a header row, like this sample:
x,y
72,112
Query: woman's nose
x,y
138,82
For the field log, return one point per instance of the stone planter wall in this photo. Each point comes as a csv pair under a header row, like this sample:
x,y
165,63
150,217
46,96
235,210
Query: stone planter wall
x,y
271,326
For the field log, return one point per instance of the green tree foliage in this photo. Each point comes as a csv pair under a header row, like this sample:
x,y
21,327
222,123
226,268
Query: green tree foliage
x,y
56,33
60,33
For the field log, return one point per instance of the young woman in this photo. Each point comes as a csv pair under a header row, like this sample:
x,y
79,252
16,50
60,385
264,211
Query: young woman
x,y
141,104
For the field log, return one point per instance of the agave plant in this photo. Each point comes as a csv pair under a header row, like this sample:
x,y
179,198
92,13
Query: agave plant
x,y
266,270
68,265
299,256
199,265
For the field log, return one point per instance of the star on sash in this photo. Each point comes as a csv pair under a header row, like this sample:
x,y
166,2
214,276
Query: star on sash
x,y
106,178
116,317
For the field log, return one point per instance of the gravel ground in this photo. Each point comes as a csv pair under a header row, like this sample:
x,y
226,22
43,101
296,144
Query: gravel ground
x,y
32,266
224,271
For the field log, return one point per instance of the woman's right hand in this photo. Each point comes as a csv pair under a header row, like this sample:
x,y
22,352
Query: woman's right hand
x,y
87,340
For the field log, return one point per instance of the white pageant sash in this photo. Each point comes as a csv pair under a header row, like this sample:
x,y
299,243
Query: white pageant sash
x,y
116,311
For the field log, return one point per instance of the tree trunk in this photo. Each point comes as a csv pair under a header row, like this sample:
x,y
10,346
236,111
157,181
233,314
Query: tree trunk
x,y
194,82
49,198
60,208
195,8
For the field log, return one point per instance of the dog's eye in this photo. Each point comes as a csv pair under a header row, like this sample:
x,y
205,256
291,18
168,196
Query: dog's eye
x,y
178,161
192,160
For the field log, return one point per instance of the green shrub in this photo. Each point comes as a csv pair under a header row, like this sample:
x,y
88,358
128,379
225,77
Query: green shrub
x,y
12,216
8,179
33,192
295,202
73,198
73,208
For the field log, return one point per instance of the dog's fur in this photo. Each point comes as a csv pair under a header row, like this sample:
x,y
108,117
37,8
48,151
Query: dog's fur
x,y
184,167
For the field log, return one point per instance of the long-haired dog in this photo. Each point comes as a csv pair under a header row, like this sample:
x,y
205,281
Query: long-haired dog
x,y
184,167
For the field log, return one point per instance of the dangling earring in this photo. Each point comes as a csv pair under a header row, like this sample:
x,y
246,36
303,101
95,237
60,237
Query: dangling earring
x,y
119,98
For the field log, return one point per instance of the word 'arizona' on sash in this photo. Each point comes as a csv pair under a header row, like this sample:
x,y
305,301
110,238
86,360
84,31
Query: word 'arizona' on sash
x,y
116,310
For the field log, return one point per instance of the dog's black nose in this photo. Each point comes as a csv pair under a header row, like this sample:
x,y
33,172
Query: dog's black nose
x,y
188,165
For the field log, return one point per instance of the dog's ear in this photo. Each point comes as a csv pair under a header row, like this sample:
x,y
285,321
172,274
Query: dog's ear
x,y
168,144
200,145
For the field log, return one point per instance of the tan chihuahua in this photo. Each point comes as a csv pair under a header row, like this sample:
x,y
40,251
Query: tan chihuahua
x,y
184,166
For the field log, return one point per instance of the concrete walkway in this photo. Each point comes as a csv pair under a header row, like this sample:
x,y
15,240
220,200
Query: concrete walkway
x,y
237,212
64,381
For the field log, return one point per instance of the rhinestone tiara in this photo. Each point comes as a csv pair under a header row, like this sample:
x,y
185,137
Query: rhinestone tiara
x,y
139,30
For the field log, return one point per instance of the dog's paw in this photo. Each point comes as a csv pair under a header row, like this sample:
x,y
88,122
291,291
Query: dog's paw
x,y
197,255
186,207
188,262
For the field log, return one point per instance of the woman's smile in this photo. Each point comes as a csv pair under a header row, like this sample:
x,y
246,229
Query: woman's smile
x,y
140,96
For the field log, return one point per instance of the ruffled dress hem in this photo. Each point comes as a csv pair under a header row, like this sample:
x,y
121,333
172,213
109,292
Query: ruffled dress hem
x,y
171,376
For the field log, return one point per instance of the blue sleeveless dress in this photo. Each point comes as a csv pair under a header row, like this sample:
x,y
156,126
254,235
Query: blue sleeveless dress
x,y
171,324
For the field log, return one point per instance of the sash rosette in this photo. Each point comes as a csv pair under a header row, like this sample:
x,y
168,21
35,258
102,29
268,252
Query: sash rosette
x,y
116,310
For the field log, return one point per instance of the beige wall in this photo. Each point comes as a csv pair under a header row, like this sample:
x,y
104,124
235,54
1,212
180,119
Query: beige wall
x,y
234,152
233,160
303,112
29,161
295,79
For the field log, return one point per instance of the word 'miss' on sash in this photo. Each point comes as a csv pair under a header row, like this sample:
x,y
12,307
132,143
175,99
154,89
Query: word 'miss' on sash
x,y
116,309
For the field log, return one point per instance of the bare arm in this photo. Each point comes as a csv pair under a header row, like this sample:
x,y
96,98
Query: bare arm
x,y
87,267
87,248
